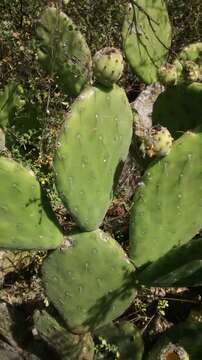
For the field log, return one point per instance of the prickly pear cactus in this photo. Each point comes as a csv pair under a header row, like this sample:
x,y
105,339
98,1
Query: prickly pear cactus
x,y
63,51
165,200
69,346
94,142
181,342
126,337
26,221
146,37
179,267
108,66
178,108
89,281
11,98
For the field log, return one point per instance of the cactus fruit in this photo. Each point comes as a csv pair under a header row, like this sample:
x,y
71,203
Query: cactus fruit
x,y
171,352
185,69
176,267
191,71
69,346
90,281
180,342
26,221
179,108
170,74
63,51
126,337
11,98
108,66
157,142
166,190
94,141
146,37
192,52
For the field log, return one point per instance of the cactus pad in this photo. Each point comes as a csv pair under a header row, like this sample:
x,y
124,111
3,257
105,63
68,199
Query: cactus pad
x,y
63,51
90,281
178,265
165,201
126,337
108,66
10,99
69,346
94,140
179,108
146,37
180,342
26,222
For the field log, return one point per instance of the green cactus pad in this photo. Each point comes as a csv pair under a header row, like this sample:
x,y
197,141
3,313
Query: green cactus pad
x,y
90,282
189,274
167,210
146,37
26,222
69,346
10,100
93,143
178,266
179,108
181,342
108,66
125,337
63,51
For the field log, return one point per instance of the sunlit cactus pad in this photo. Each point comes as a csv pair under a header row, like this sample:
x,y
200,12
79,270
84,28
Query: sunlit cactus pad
x,y
125,337
69,346
181,266
63,51
26,221
90,281
179,108
167,210
181,342
146,37
94,140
